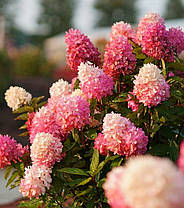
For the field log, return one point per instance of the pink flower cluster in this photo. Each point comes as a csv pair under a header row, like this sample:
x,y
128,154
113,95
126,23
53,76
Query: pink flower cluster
x,y
120,136
119,58
36,180
145,181
181,157
44,121
150,87
122,29
72,112
80,49
156,41
46,150
94,83
10,151
176,36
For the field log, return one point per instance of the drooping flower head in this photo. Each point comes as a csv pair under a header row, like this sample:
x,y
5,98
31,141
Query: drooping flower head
x,y
120,136
60,88
46,149
150,87
122,29
154,38
80,49
45,121
181,157
17,96
147,181
119,58
10,151
94,83
36,180
176,36
72,112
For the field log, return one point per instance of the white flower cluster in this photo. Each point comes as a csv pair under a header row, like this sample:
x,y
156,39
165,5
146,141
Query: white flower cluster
x,y
17,96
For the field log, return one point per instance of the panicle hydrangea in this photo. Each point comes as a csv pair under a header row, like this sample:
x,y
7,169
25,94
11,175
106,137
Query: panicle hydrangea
x,y
17,96
10,151
80,49
45,121
35,181
122,29
94,83
60,88
176,36
72,112
154,38
156,183
149,18
119,57
46,149
150,87
112,191
181,157
120,136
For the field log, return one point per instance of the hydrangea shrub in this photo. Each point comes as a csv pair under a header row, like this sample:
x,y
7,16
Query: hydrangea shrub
x,y
112,137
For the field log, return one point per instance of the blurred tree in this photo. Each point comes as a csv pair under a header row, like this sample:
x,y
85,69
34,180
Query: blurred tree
x,y
112,11
4,11
174,9
56,15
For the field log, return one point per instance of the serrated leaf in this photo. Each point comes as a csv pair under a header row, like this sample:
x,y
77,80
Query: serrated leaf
x,y
22,117
94,162
74,171
84,182
12,178
7,172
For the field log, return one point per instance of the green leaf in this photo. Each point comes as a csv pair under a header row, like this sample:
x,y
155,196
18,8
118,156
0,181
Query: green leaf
x,y
93,104
7,172
74,171
76,85
75,182
76,135
174,151
37,100
42,104
24,134
101,182
23,127
101,165
22,117
84,182
117,162
12,178
84,192
91,134
141,56
24,109
94,162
